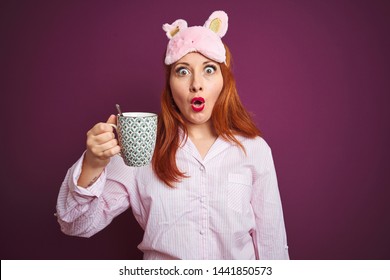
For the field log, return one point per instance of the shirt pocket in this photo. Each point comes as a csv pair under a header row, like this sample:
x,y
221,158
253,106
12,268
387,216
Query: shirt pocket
x,y
239,191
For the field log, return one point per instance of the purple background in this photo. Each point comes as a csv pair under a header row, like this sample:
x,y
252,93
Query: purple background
x,y
314,73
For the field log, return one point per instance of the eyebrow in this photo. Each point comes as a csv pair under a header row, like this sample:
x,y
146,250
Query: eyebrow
x,y
184,63
187,64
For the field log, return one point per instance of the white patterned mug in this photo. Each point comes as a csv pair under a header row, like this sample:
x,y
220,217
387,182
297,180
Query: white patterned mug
x,y
137,137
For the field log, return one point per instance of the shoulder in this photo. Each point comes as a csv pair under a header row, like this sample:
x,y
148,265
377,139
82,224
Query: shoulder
x,y
258,154
254,145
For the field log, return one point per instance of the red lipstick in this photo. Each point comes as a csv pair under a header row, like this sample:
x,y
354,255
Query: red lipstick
x,y
197,104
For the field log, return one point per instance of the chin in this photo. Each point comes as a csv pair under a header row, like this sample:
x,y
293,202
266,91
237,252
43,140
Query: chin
x,y
199,120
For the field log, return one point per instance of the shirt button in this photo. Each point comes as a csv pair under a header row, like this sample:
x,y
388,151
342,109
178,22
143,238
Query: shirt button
x,y
202,199
202,232
201,168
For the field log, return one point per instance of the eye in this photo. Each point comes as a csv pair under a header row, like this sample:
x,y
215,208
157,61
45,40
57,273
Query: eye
x,y
210,69
182,71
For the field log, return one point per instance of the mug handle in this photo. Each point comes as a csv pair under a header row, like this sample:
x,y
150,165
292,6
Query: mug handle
x,y
114,126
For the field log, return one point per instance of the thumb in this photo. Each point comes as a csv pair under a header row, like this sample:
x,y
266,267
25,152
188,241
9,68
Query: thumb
x,y
112,119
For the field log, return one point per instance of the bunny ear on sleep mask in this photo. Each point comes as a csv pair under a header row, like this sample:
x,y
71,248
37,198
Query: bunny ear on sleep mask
x,y
218,22
174,28
204,39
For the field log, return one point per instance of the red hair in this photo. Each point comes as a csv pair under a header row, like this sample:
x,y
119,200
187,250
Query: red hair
x,y
229,118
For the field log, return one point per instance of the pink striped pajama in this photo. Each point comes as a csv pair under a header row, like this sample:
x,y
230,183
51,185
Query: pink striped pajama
x,y
229,208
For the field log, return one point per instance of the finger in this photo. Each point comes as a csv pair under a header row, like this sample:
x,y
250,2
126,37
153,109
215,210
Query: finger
x,y
106,151
103,151
100,128
96,144
112,152
103,138
108,145
112,119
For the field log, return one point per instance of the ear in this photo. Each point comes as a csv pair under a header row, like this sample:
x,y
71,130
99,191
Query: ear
x,y
218,22
174,28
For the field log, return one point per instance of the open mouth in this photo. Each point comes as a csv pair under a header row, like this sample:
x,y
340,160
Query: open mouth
x,y
197,104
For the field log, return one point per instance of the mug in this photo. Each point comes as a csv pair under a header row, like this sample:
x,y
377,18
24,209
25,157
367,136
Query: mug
x,y
137,137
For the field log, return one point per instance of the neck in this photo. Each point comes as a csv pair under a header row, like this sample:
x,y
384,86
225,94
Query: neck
x,y
201,131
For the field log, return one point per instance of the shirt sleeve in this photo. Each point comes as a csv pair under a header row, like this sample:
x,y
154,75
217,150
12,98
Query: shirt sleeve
x,y
270,233
85,211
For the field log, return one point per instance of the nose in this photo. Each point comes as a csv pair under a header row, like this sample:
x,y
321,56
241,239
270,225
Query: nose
x,y
196,84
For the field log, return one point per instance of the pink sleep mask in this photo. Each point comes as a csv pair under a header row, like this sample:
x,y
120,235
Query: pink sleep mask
x,y
204,39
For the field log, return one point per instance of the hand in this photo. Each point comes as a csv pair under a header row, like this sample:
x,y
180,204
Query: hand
x,y
101,144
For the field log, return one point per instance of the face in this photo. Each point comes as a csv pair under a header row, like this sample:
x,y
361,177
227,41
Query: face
x,y
196,83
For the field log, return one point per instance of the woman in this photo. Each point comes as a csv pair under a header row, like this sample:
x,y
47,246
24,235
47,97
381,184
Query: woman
x,y
211,190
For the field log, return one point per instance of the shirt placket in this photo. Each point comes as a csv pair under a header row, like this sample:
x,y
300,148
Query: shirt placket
x,y
204,210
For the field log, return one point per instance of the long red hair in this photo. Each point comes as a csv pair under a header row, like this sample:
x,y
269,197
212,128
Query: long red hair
x,y
229,118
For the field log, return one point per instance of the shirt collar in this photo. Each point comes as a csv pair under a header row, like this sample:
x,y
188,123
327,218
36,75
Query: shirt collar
x,y
188,146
